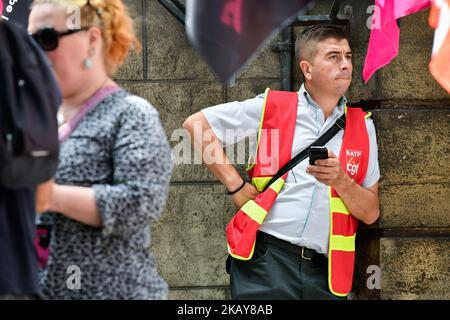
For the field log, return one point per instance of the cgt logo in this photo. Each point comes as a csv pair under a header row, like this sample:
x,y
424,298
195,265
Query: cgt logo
x,y
353,158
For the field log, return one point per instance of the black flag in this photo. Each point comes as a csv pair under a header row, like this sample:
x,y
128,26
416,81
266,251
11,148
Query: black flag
x,y
16,11
228,33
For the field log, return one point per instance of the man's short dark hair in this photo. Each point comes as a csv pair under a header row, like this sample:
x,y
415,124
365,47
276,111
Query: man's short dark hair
x,y
306,41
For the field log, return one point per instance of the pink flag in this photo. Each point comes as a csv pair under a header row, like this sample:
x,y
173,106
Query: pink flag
x,y
385,34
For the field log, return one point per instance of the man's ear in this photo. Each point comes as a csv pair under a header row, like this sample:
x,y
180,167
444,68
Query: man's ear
x,y
305,67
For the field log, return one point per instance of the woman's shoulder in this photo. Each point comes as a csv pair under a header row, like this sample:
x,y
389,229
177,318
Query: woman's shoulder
x,y
126,103
140,105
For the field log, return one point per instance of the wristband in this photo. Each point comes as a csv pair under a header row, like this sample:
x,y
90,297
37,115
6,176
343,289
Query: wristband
x,y
235,191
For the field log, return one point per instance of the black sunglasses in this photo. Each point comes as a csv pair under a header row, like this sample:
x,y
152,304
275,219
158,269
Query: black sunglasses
x,y
48,38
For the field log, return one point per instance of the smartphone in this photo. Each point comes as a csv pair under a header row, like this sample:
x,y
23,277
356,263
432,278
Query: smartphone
x,y
316,153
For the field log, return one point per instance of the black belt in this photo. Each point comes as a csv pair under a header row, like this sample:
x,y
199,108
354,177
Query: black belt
x,y
303,252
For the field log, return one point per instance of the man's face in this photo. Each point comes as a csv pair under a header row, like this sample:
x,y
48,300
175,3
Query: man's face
x,y
331,67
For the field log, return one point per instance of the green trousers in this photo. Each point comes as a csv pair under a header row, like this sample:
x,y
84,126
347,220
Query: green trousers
x,y
276,272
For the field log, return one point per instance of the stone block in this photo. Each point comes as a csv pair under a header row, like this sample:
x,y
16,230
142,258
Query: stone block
x,y
247,89
189,240
177,100
169,54
413,269
415,206
266,64
198,294
413,146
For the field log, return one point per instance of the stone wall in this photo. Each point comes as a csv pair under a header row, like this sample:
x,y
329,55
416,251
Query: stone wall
x,y
411,241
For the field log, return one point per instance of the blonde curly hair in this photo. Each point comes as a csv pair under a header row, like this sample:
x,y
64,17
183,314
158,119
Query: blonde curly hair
x,y
112,17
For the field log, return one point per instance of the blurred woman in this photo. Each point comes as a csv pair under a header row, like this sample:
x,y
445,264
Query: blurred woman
x,y
115,161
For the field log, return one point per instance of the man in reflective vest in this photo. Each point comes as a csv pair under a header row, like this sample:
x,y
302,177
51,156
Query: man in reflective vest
x,y
296,239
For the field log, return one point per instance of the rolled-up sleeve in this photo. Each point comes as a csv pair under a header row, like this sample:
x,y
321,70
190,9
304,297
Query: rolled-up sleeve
x,y
235,121
142,168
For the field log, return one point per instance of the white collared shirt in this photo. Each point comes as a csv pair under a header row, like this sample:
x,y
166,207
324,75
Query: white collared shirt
x,y
300,214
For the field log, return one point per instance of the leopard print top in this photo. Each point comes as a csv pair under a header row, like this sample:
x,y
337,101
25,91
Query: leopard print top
x,y
119,149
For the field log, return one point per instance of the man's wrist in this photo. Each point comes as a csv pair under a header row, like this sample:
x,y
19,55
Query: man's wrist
x,y
233,182
344,183
231,192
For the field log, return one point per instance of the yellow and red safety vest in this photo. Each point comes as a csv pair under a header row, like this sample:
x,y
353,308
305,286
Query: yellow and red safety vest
x,y
280,114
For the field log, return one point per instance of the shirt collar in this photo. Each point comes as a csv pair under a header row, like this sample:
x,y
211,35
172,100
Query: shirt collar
x,y
309,100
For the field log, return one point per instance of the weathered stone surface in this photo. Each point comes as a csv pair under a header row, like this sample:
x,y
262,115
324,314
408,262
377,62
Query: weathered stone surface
x,y
178,100
248,89
133,68
169,53
265,65
415,206
189,240
175,102
415,268
413,146
408,76
171,56
198,294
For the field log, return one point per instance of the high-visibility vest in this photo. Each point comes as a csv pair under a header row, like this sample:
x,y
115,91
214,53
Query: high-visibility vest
x,y
277,125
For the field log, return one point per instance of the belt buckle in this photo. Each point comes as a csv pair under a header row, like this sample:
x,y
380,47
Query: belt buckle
x,y
303,256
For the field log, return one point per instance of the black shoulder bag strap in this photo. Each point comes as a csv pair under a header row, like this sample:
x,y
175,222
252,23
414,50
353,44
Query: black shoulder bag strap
x,y
327,136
